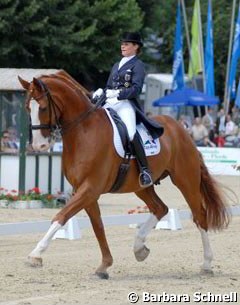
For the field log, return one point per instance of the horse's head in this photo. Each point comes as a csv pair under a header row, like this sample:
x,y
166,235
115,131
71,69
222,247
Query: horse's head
x,y
44,113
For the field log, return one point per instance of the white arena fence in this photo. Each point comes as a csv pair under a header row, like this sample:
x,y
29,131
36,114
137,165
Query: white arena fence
x,y
44,169
73,228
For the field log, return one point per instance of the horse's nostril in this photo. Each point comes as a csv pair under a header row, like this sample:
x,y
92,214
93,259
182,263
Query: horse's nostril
x,y
43,146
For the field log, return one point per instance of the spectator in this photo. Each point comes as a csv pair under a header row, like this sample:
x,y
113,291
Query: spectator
x,y
7,145
220,123
208,122
237,140
220,140
208,142
231,138
236,115
13,141
199,133
230,127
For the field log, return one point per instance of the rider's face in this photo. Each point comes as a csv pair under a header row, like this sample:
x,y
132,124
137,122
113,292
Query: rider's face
x,y
129,49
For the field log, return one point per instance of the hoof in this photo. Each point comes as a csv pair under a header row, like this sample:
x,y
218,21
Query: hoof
x,y
207,272
142,254
102,275
35,261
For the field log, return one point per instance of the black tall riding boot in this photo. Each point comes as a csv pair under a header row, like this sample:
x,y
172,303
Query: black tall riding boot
x,y
145,178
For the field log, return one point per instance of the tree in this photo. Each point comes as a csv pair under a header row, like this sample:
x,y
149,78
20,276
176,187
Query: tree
x,y
79,36
21,28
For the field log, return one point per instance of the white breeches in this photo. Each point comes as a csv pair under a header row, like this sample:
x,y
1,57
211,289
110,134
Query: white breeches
x,y
128,115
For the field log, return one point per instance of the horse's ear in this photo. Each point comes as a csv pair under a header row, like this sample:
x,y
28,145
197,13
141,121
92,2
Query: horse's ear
x,y
37,83
24,83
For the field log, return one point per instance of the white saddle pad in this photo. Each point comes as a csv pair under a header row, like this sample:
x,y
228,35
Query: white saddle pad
x,y
151,146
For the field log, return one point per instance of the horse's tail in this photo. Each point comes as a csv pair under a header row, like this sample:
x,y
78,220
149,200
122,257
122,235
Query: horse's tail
x,y
213,199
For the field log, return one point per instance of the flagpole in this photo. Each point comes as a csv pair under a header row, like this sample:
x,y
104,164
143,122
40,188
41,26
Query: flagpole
x,y
201,51
201,46
226,93
189,46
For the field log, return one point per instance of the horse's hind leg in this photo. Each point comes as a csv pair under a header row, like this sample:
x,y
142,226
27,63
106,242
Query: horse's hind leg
x,y
107,260
192,194
158,209
207,252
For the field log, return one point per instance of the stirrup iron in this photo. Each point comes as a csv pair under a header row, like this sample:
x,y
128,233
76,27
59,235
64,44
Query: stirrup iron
x,y
145,179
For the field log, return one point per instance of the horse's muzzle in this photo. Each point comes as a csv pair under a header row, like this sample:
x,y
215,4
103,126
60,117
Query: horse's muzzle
x,y
41,147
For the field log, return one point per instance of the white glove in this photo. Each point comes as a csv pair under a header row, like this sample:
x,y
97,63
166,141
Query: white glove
x,y
97,93
112,93
112,101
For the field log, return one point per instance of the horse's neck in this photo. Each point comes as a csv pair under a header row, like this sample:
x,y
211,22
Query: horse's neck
x,y
74,104
84,144
83,130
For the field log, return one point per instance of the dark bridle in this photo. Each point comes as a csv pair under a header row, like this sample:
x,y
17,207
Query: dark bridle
x,y
57,129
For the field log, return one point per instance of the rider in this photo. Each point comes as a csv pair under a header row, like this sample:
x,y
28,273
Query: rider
x,y
124,85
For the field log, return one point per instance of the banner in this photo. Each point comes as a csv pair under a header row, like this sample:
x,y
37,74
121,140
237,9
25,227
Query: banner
x,y
221,161
234,59
209,54
237,100
195,64
178,64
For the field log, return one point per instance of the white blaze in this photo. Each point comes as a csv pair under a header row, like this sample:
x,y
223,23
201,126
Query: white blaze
x,y
39,142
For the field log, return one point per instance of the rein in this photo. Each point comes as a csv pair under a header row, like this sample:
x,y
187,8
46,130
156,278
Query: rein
x,y
83,116
57,130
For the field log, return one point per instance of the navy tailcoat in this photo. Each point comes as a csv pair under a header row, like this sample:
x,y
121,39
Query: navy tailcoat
x,y
129,79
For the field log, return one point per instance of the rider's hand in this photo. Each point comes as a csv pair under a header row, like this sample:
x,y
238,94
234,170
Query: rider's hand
x,y
112,101
112,93
97,93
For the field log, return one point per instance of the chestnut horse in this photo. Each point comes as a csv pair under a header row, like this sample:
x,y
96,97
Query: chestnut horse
x,y
90,164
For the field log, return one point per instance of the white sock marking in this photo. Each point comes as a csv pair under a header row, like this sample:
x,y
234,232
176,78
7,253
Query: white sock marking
x,y
44,242
207,251
144,231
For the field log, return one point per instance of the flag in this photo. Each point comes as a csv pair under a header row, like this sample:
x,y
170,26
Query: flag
x,y
195,63
209,57
234,59
237,100
178,64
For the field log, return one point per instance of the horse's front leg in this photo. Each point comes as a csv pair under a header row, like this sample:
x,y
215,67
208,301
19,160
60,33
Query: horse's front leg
x,y
94,214
81,200
34,257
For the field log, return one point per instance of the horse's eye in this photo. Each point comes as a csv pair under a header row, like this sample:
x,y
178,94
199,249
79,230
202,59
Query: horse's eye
x,y
42,109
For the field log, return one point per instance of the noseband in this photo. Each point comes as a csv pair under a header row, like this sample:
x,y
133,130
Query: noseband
x,y
57,129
